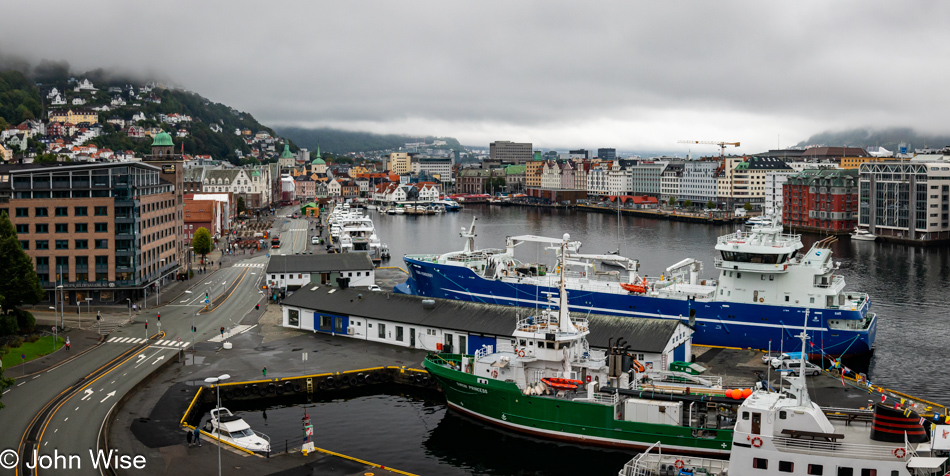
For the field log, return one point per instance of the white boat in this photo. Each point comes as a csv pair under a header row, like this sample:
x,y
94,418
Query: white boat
x,y
860,234
233,429
759,220
785,432
400,211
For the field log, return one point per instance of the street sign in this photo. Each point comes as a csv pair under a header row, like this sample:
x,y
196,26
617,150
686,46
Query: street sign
x,y
53,329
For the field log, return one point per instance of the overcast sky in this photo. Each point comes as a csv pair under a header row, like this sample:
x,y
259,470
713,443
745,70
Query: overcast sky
x,y
630,75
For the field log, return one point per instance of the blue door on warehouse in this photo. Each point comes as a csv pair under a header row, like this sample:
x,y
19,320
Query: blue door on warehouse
x,y
679,353
477,342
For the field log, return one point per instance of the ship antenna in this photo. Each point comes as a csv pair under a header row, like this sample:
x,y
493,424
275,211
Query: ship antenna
x,y
799,382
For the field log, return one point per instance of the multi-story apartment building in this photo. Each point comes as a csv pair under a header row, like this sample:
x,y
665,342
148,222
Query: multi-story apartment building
x,y
620,177
437,167
510,152
670,181
607,154
105,231
907,200
551,175
749,178
472,180
699,182
515,178
824,200
399,163
855,162
646,177
597,179
532,174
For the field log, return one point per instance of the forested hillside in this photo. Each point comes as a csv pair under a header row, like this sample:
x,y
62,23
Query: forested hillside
x,y
344,142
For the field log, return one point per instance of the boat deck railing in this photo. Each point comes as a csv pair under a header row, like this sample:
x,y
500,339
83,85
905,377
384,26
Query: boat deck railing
x,y
611,399
759,238
836,449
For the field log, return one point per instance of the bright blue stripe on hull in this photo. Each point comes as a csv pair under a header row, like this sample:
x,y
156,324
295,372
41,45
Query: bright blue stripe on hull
x,y
727,324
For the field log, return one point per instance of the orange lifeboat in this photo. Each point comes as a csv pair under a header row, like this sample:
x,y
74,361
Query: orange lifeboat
x,y
634,287
562,383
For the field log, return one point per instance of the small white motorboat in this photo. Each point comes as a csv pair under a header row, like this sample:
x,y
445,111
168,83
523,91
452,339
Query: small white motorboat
x,y
233,429
860,234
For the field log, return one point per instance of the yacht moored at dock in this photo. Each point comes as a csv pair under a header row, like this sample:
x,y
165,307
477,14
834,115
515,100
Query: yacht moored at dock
x,y
765,283
233,429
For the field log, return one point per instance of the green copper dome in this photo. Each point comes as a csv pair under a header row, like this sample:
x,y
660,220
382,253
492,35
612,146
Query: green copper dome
x,y
286,153
318,161
162,139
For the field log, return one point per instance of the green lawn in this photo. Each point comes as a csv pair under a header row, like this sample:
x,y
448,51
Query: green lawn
x,y
32,350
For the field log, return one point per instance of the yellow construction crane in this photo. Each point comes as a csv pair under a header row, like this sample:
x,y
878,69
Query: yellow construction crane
x,y
722,145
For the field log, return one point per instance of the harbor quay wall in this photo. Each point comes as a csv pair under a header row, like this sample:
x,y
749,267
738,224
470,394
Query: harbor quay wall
x,y
663,215
304,385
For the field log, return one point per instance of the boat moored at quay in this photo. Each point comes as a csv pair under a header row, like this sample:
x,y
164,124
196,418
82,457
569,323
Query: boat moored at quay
x,y
758,301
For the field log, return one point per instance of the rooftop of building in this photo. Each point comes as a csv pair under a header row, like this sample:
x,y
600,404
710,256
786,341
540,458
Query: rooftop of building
x,y
643,334
319,263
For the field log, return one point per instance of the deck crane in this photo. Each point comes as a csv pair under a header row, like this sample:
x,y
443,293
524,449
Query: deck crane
x,y
722,145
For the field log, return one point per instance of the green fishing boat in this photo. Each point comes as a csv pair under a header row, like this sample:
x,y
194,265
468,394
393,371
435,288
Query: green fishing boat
x,y
551,384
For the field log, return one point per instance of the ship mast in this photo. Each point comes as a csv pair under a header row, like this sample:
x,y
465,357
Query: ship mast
x,y
469,236
564,313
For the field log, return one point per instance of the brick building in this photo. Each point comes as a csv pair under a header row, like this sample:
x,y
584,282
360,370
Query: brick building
x,y
824,201
104,231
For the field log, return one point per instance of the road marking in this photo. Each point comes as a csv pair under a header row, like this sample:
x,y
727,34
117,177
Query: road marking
x,y
183,301
67,418
113,339
34,378
110,394
159,358
146,360
89,393
236,330
77,408
5,392
140,357
21,383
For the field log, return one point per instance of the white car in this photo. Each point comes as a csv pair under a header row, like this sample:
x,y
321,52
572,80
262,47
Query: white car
x,y
793,368
373,287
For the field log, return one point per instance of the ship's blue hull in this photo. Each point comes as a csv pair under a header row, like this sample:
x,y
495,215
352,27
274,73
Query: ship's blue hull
x,y
726,324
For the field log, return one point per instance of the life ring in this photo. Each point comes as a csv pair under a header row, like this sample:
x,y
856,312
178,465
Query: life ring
x,y
756,442
494,374
678,464
521,353
761,299
900,453
583,274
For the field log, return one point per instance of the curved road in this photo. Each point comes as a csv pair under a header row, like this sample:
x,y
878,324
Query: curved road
x,y
101,376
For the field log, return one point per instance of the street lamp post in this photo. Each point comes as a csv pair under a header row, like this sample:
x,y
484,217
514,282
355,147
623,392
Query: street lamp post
x,y
62,304
217,387
192,326
88,307
130,308
54,329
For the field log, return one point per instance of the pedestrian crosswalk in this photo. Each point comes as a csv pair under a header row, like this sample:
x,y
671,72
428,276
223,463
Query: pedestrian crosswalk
x,y
239,329
248,265
158,343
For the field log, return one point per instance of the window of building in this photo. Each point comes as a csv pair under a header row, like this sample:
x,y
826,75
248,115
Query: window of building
x,y
102,244
338,324
23,212
760,463
62,228
868,472
24,228
102,227
382,331
62,211
24,244
325,322
102,261
81,211
399,333
102,211
41,212
786,467
42,244
842,471
82,227
62,244
42,228
82,244
293,317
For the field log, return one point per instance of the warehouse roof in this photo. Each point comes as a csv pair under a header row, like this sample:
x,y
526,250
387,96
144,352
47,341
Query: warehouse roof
x,y
322,263
643,334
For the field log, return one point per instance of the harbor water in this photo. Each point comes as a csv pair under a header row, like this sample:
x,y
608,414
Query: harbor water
x,y
908,288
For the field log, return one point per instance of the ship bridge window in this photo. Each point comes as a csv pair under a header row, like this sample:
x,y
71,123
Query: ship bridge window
x,y
752,257
550,345
816,469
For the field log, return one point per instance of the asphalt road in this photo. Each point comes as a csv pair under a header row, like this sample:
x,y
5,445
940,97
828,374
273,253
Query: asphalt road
x,y
74,424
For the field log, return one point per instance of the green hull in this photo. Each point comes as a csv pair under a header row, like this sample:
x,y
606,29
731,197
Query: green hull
x,y
502,403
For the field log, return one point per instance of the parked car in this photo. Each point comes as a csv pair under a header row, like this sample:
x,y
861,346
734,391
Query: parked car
x,y
793,367
373,287
314,240
776,360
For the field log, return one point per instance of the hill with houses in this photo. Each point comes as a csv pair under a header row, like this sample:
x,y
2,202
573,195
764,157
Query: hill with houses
x,y
67,114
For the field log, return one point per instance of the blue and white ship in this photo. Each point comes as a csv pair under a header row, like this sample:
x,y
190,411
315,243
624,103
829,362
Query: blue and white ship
x,y
765,284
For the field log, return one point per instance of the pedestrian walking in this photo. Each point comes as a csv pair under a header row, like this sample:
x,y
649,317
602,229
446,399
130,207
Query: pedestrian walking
x,y
264,371
67,343
197,438
191,436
